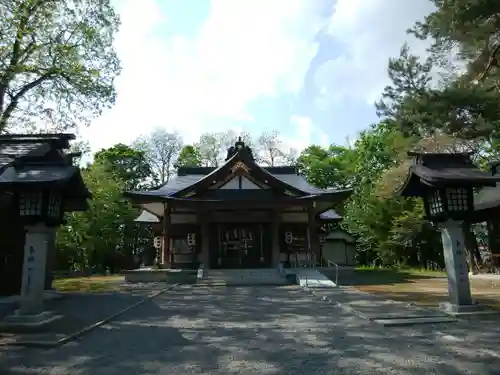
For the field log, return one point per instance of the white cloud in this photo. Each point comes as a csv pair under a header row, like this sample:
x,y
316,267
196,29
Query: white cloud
x,y
244,50
304,134
370,32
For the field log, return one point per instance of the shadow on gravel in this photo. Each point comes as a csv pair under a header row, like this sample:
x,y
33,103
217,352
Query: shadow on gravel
x,y
260,330
80,310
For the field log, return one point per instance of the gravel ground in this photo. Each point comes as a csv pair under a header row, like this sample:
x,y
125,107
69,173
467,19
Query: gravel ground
x,y
260,330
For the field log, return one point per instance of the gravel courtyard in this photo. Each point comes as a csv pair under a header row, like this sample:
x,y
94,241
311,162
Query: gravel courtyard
x,y
260,330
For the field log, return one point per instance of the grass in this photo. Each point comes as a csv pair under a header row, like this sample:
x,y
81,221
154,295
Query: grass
x,y
423,287
88,284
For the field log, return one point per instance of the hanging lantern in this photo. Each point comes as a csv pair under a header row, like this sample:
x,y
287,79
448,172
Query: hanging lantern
x,y
157,242
322,239
191,239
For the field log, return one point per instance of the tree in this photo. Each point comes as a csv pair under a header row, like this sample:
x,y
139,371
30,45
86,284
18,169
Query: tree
x,y
126,163
327,168
391,230
161,149
269,148
213,146
188,157
469,27
416,107
57,58
376,150
410,79
80,147
271,151
94,239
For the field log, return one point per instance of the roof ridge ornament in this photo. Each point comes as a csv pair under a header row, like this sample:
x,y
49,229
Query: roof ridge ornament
x,y
239,148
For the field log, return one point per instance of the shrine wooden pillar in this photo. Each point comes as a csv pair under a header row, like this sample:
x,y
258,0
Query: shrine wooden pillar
x,y
275,230
167,221
203,221
314,245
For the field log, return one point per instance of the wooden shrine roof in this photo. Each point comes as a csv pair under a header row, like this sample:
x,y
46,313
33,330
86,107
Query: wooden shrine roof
x,y
148,217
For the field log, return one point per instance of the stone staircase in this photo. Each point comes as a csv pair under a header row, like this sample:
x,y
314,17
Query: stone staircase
x,y
228,277
312,278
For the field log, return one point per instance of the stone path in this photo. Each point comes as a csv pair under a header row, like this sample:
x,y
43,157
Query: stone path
x,y
260,330
379,309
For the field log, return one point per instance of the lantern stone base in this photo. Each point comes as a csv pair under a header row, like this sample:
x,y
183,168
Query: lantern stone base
x,y
18,322
453,309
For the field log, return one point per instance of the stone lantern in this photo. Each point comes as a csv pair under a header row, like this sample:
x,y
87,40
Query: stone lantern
x,y
446,182
40,210
44,184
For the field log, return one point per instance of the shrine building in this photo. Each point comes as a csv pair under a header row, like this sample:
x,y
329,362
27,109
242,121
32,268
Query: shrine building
x,y
239,215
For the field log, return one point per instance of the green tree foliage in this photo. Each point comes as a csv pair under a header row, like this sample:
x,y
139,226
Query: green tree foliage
x,y
188,157
327,168
56,58
469,27
418,108
126,163
97,238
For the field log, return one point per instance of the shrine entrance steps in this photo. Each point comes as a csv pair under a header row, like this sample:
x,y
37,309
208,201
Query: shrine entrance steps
x,y
312,278
240,277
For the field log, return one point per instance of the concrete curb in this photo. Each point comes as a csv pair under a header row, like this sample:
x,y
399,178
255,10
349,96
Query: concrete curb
x,y
56,343
214,284
344,307
389,321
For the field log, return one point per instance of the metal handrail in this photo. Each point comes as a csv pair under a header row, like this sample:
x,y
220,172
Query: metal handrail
x,y
336,271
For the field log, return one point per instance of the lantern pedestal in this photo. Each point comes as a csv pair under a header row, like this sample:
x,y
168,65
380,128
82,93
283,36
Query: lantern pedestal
x,y
30,313
456,268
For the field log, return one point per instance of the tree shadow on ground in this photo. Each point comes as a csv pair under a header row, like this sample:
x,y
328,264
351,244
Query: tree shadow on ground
x,y
264,330
82,309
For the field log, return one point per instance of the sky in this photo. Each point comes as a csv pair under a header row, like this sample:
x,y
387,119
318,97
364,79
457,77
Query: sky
x,y
310,69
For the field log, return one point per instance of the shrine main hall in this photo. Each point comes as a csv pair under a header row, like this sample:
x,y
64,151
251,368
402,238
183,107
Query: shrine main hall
x,y
238,215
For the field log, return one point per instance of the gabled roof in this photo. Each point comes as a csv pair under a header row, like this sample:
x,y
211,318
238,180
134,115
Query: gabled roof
x,y
147,217
192,180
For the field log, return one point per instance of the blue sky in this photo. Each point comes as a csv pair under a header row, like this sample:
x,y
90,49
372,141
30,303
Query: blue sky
x,y
310,69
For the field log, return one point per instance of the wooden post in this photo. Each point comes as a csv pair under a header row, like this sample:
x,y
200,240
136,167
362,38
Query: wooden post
x,y
275,255
205,238
166,237
313,233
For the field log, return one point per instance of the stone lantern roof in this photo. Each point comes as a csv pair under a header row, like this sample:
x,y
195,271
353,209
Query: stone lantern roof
x,y
38,160
437,170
